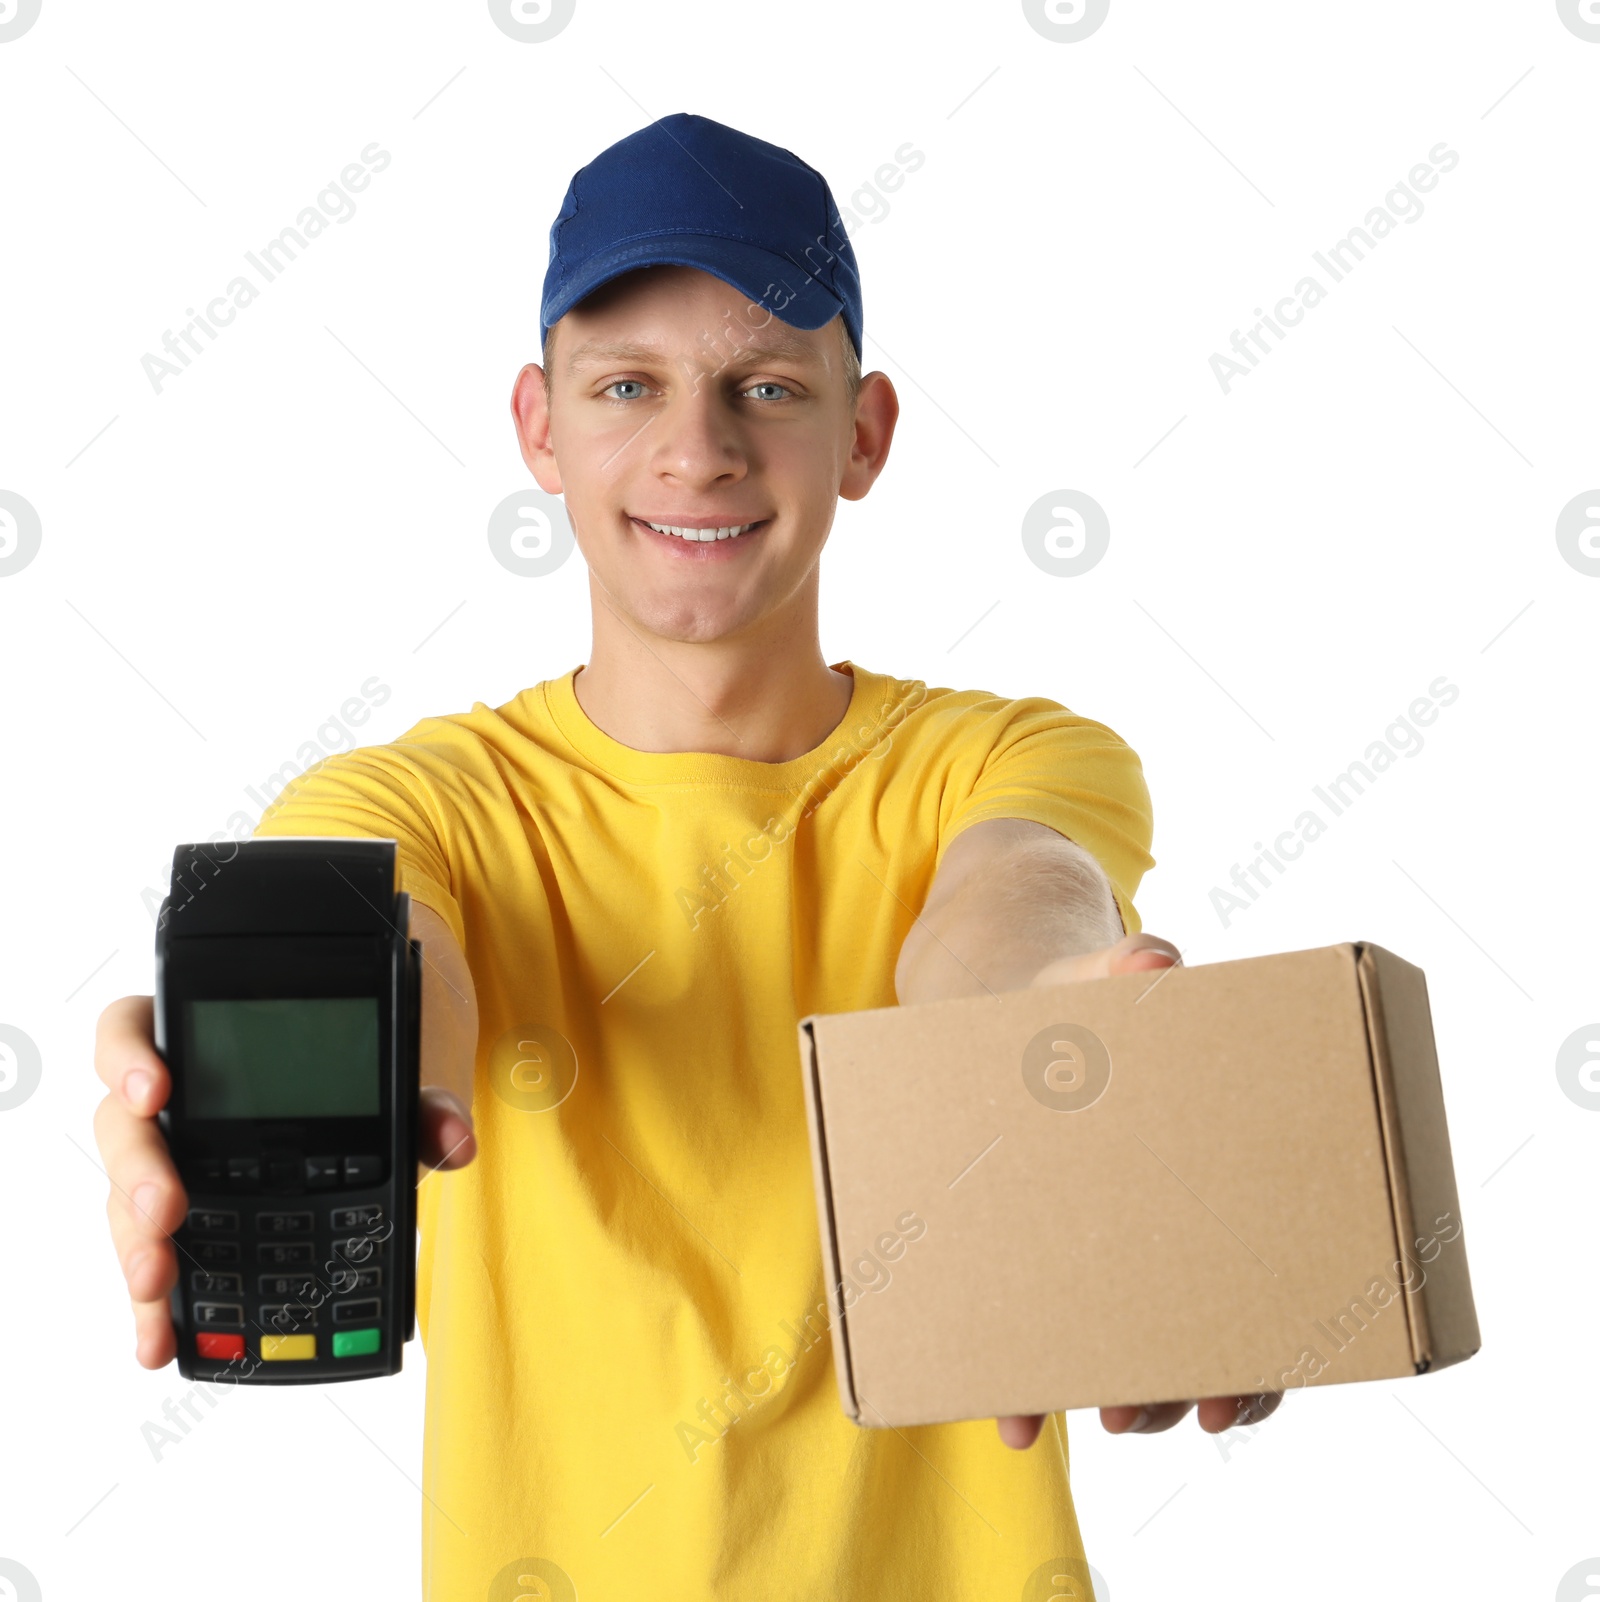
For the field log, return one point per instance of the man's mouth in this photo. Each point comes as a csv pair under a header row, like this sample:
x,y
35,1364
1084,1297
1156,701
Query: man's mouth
x,y
695,533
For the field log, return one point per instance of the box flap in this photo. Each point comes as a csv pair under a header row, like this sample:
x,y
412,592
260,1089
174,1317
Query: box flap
x,y
825,1221
1438,1288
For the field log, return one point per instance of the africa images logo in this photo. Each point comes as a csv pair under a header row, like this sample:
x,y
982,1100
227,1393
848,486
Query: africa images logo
x,y
16,17
20,533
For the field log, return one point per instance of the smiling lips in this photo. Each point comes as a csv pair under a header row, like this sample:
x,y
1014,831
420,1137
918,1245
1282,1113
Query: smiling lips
x,y
701,530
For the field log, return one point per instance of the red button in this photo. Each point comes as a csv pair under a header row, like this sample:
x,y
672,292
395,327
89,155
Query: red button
x,y
212,1343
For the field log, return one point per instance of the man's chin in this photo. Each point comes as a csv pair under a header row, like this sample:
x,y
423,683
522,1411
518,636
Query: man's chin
x,y
684,620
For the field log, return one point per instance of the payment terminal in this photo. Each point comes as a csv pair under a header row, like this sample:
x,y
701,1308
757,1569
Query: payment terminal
x,y
288,1011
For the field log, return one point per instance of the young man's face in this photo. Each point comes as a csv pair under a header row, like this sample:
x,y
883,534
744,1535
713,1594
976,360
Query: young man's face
x,y
675,400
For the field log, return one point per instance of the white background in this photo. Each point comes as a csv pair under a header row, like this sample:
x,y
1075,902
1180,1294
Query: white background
x,y
226,562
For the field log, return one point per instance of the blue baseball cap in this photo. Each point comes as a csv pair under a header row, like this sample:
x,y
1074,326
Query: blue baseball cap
x,y
689,192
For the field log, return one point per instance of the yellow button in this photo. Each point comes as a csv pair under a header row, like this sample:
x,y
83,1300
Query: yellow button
x,y
280,1348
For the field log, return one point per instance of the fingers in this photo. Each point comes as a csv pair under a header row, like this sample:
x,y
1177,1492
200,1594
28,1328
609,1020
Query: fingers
x,y
155,1342
146,1194
1216,1414
444,1136
1135,953
1219,1413
145,1204
146,1201
1140,953
1151,1419
1020,1430
147,1258
125,1055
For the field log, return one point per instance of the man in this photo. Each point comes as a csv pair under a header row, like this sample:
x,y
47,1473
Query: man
x,y
629,882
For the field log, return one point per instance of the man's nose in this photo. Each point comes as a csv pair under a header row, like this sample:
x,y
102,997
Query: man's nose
x,y
696,439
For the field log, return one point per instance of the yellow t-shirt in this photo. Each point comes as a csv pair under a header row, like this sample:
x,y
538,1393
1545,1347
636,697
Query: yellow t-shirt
x,y
630,1378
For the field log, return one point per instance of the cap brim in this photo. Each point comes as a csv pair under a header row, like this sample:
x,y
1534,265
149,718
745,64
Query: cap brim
x,y
791,292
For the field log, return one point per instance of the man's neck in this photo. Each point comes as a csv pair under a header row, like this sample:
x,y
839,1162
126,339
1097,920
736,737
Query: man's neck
x,y
767,700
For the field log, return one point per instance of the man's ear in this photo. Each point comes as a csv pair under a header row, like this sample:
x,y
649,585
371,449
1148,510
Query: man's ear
x,y
877,410
530,411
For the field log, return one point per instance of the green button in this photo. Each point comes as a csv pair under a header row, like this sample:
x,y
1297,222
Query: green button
x,y
356,1342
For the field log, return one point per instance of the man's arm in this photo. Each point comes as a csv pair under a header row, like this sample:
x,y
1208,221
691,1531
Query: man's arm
x,y
1010,896
449,1043
1014,904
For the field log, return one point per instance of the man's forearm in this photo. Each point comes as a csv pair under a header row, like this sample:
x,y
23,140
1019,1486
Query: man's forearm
x,y
449,1008
1018,897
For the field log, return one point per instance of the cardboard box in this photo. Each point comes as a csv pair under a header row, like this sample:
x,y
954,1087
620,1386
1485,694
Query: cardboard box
x,y
1200,1181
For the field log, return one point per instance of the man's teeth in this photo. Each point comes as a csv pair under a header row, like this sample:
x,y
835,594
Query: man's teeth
x,y
733,531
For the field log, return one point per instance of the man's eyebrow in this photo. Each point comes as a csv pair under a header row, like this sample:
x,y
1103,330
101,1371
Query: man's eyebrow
x,y
768,345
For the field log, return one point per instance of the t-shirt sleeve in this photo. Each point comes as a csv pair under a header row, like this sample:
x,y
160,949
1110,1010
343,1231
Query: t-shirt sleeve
x,y
1034,759
373,792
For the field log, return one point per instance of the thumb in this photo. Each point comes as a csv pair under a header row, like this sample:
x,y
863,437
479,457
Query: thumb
x,y
1142,953
1135,953
444,1136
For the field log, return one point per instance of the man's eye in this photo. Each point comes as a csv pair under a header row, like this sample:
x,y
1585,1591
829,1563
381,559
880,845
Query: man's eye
x,y
637,386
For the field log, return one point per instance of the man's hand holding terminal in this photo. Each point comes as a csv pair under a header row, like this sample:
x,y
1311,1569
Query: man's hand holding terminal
x,y
147,1201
